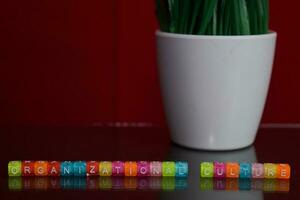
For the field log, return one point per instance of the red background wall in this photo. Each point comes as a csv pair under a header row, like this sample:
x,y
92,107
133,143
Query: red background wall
x,y
78,62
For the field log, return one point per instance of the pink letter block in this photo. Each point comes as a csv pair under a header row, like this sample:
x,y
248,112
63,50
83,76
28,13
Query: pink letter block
x,y
118,168
155,168
257,170
219,170
143,168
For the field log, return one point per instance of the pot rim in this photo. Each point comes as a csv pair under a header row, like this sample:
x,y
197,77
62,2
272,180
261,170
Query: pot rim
x,y
270,34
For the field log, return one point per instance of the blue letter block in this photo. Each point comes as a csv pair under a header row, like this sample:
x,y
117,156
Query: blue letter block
x,y
182,169
245,170
79,168
66,168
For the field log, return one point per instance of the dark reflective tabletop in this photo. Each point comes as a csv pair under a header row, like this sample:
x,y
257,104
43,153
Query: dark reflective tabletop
x,y
272,145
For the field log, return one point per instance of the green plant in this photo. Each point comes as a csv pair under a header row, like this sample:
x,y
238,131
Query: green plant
x,y
213,17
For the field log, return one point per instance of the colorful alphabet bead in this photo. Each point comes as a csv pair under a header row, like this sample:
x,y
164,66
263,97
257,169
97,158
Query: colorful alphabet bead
x,y
245,170
92,168
66,168
118,168
283,171
270,170
232,170
207,169
41,168
219,170
257,170
15,168
105,168
181,169
131,168
143,168
79,168
168,168
53,168
28,168
155,168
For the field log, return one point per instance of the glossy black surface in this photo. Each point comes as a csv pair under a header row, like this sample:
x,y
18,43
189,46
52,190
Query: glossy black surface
x,y
272,145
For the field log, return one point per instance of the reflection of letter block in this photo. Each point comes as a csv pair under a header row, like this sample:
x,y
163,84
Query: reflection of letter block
x,y
40,183
180,183
15,183
257,184
142,183
92,168
67,182
182,169
257,170
207,169
245,170
168,168
282,185
219,184
155,183
270,170
245,184
269,185
28,168
232,184
66,168
130,182
14,168
91,183
41,168
206,184
105,168
219,170
143,168
232,170
117,183
130,168
118,168
283,171
105,182
53,168
80,183
79,168
168,183
155,168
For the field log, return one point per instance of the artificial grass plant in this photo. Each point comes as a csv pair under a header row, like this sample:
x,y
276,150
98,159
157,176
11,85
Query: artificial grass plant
x,y
213,17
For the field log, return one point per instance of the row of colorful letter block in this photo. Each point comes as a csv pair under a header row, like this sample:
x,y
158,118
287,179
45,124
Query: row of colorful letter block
x,y
95,168
234,184
244,170
96,183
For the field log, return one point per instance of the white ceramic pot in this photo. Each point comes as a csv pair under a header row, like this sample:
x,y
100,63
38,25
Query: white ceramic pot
x,y
214,87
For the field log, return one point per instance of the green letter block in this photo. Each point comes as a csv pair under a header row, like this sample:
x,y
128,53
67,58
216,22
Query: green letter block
x,y
14,168
168,169
207,170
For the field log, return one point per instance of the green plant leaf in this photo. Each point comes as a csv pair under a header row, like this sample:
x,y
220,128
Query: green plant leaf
x,y
213,17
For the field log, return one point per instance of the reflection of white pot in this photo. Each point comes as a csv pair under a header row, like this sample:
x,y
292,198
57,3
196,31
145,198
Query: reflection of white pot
x,y
214,87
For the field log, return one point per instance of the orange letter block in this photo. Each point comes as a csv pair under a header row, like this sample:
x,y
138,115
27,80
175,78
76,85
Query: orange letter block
x,y
232,170
130,168
283,171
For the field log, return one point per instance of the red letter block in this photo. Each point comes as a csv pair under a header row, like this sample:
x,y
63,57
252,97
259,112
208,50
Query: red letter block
x,y
28,168
92,168
53,168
